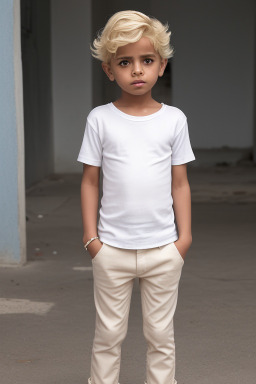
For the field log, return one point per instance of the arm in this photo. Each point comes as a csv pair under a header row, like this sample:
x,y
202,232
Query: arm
x,y
89,206
182,207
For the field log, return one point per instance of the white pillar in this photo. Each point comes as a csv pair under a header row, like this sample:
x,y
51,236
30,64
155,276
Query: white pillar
x,y
12,186
254,100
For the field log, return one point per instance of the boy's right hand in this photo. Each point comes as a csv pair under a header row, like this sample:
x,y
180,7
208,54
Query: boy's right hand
x,y
94,247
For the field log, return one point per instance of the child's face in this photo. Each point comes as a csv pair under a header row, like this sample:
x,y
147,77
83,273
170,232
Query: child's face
x,y
136,62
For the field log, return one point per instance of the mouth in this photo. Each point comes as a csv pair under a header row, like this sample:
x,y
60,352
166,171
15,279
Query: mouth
x,y
138,82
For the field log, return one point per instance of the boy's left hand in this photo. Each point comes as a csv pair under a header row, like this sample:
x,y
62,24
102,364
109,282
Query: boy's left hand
x,y
183,245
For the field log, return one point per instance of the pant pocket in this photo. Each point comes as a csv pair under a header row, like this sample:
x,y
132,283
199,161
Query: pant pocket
x,y
177,252
99,251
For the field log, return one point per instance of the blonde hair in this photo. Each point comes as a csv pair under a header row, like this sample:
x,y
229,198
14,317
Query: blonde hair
x,y
126,27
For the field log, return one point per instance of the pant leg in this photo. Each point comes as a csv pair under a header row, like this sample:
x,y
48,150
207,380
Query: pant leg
x,y
113,273
159,292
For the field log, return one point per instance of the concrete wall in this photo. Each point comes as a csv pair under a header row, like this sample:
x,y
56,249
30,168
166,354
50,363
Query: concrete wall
x,y
36,64
72,79
12,201
213,68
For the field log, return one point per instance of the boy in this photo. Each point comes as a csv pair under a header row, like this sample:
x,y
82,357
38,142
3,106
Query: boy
x,y
143,147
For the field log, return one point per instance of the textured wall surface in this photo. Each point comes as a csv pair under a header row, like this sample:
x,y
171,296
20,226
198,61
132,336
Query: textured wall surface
x,y
213,72
72,79
213,68
9,216
36,68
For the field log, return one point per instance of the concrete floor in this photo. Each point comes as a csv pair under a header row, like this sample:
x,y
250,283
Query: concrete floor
x,y
47,311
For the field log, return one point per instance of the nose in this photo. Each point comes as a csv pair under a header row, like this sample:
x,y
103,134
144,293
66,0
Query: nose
x,y
137,68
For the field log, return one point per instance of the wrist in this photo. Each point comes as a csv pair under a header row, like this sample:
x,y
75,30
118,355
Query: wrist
x,y
185,239
91,240
92,244
89,236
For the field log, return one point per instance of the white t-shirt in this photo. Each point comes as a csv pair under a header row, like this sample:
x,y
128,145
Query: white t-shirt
x,y
136,154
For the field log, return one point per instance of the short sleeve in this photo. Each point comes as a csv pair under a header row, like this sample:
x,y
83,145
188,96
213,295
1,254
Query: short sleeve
x,y
181,148
91,149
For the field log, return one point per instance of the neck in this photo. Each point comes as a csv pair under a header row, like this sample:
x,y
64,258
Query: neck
x,y
135,101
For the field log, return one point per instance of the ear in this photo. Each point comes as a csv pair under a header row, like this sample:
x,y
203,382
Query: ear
x,y
162,67
107,69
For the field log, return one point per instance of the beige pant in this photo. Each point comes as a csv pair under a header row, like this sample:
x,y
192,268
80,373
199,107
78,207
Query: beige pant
x,y
114,269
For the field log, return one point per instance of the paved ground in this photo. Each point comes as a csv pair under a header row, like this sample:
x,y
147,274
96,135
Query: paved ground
x,y
47,311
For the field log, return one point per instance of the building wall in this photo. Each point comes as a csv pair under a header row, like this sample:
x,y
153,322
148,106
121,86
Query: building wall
x,y
36,65
213,68
72,79
12,201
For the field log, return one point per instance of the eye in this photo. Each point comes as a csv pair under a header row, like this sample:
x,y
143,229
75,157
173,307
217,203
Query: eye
x,y
123,63
148,61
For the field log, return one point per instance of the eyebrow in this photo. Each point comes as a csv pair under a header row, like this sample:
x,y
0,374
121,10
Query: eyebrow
x,y
130,57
